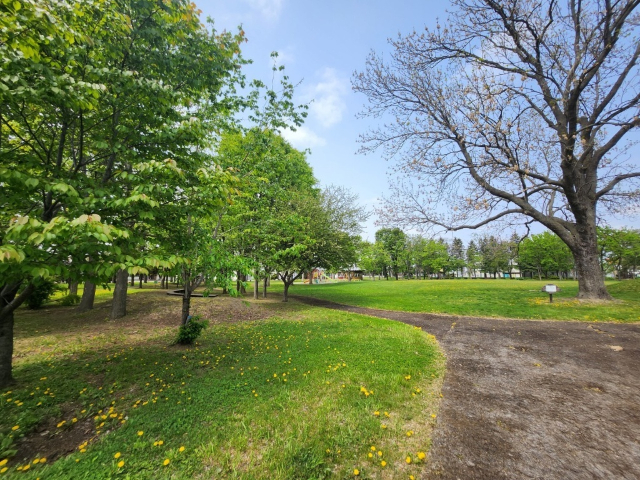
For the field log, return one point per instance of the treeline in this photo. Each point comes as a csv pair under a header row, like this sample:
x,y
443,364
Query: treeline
x,y
544,255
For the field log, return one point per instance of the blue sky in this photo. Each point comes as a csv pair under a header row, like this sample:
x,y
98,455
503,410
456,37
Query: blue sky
x,y
321,44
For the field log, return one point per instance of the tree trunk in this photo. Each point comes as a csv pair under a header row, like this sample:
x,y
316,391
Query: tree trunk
x,y
264,287
256,286
6,349
590,276
119,304
140,281
88,296
286,291
133,280
73,288
186,296
310,277
8,303
186,305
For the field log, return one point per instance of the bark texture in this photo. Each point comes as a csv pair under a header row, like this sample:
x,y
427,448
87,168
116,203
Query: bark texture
x,y
6,349
119,304
88,297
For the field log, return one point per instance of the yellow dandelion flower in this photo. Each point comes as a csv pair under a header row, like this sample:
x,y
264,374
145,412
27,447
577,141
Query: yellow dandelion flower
x,y
140,433
379,453
181,449
411,477
383,426
14,428
4,469
376,413
422,455
370,455
117,455
356,472
3,462
121,464
166,462
408,460
383,463
409,433
36,461
373,448
43,460
433,415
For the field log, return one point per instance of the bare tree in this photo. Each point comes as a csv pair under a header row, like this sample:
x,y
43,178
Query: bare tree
x,y
513,109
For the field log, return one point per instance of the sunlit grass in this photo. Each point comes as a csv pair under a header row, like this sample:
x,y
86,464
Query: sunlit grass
x,y
490,298
305,394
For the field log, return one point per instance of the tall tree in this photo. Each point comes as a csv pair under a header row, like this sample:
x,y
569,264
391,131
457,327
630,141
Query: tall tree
x,y
473,258
513,108
544,254
456,254
393,242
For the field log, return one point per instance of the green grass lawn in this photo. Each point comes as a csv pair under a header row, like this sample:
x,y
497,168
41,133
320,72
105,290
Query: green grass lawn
x,y
307,393
488,298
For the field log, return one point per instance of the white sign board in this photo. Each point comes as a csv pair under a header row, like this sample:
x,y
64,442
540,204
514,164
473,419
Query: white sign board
x,y
550,288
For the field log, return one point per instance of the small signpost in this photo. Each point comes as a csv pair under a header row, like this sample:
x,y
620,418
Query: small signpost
x,y
550,288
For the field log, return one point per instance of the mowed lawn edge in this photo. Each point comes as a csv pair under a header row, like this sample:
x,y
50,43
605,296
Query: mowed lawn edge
x,y
502,298
302,392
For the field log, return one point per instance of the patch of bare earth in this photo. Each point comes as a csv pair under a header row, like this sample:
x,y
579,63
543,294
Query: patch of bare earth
x,y
532,399
150,316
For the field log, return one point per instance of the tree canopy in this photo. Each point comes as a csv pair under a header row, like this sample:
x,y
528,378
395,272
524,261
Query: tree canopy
x,y
512,109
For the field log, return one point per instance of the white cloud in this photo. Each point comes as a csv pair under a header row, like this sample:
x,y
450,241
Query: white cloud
x,y
328,104
269,9
303,138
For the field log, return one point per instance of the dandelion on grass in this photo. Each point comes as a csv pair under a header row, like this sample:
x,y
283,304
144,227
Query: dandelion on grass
x,y
166,462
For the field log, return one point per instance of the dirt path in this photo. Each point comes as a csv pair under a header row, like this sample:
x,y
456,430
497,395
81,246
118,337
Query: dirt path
x,y
532,399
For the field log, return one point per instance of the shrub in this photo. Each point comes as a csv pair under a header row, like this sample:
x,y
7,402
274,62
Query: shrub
x,y
189,332
69,300
40,294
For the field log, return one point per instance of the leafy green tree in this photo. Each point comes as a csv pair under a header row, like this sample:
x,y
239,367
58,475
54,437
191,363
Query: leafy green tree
x,y
393,242
436,257
372,258
269,170
494,255
543,254
456,256
619,250
474,258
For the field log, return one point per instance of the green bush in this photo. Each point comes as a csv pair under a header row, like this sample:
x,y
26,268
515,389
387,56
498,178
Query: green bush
x,y
44,289
69,300
189,332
